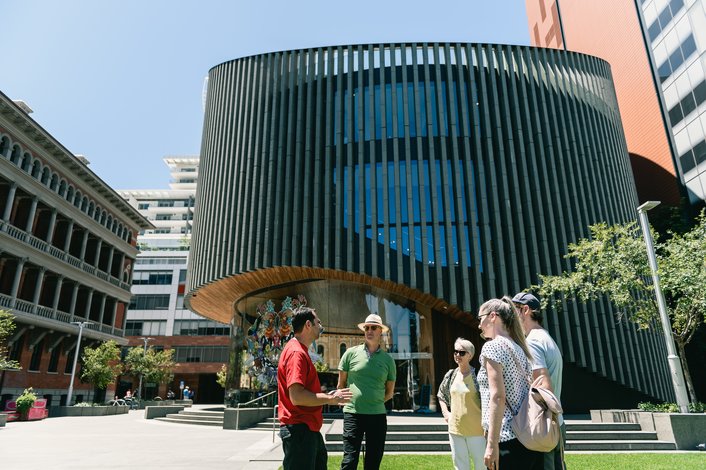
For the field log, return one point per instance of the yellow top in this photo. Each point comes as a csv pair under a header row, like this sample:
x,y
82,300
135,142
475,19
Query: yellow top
x,y
465,407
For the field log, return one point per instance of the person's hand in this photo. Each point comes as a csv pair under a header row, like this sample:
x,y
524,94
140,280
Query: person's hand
x,y
491,459
341,395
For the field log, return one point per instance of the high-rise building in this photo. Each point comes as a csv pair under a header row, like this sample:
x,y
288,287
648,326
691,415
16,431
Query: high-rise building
x,y
414,181
656,52
157,310
67,247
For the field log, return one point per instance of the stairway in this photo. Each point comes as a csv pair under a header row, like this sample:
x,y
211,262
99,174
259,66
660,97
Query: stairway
x,y
419,434
203,417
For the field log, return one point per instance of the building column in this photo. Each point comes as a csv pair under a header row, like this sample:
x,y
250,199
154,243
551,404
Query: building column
x,y
89,301
32,213
74,295
97,257
38,285
17,279
102,309
52,225
84,243
57,295
111,252
10,202
69,236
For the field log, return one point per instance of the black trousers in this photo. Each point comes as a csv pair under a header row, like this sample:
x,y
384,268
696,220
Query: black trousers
x,y
303,448
513,455
374,427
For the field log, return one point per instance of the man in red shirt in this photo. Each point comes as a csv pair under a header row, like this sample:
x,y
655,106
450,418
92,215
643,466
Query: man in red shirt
x,y
300,396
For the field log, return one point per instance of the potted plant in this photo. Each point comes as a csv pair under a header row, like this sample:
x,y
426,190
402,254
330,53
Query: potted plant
x,y
24,403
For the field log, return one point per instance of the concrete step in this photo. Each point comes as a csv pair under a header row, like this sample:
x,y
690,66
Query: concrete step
x,y
402,437
202,414
611,436
398,446
178,420
619,445
589,426
196,418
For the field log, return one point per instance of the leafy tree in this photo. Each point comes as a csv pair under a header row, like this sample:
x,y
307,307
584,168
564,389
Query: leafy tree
x,y
101,365
154,366
221,376
613,263
7,326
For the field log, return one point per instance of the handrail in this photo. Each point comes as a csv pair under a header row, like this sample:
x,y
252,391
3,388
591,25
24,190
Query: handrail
x,y
274,421
237,416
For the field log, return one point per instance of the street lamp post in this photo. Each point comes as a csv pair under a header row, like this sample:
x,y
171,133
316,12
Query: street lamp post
x,y
81,325
139,387
674,365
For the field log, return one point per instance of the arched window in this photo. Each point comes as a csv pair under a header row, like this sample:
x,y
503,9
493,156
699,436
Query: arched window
x,y
54,182
62,188
26,162
16,155
84,204
320,351
4,146
46,174
70,194
36,169
77,199
342,349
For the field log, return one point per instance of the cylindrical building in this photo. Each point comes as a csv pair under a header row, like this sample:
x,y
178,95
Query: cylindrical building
x,y
416,181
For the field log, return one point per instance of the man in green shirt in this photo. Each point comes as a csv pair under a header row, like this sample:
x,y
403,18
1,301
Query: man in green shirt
x,y
370,374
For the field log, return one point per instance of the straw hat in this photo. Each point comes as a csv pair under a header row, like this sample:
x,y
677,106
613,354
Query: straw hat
x,y
375,320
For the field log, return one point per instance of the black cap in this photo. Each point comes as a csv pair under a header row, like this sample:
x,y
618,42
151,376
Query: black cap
x,y
528,299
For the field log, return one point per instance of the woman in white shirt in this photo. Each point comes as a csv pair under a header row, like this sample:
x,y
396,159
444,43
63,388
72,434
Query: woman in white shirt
x,y
460,404
504,383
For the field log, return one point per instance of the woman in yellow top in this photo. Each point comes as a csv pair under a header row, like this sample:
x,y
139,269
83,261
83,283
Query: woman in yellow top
x,y
460,404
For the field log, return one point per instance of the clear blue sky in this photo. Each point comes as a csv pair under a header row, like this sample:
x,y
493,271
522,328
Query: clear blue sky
x,y
121,81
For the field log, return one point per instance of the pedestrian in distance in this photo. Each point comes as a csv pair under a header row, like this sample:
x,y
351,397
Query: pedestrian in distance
x,y
503,380
546,363
459,402
370,373
300,397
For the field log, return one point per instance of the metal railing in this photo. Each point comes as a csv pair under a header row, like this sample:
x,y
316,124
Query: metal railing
x,y
274,421
237,416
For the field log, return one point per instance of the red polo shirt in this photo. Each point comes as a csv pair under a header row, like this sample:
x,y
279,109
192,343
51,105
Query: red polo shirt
x,y
295,367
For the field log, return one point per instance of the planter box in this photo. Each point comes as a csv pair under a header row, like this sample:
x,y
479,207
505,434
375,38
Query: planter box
x,y
58,411
248,417
161,411
643,418
686,430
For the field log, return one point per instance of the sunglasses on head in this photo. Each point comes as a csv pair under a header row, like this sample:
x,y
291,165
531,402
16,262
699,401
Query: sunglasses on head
x,y
371,327
460,353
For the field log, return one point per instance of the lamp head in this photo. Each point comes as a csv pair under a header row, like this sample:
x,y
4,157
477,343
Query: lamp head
x,y
648,206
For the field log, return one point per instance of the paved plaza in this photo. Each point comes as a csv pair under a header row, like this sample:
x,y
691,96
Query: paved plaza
x,y
131,442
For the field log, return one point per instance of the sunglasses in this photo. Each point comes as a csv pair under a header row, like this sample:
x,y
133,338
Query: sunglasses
x,y
370,327
460,353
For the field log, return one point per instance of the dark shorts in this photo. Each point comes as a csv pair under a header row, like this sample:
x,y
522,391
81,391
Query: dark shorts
x,y
303,448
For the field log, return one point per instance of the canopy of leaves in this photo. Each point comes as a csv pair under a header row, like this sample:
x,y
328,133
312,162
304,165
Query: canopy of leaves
x,y
154,366
613,263
7,326
101,365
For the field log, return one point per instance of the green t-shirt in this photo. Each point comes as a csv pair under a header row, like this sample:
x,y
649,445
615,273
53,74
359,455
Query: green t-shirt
x,y
367,378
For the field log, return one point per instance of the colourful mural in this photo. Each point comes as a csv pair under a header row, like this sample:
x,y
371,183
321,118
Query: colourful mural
x,y
265,340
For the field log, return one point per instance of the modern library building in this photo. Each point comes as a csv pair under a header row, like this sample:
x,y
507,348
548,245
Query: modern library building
x,y
415,181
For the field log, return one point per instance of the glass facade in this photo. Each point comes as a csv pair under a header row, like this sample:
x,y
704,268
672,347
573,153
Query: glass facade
x,y
676,34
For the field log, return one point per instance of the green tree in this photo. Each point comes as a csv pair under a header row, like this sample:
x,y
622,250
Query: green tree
x,y
101,365
613,263
154,366
7,326
221,376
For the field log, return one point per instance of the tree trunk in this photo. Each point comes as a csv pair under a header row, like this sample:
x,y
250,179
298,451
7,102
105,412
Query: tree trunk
x,y
685,367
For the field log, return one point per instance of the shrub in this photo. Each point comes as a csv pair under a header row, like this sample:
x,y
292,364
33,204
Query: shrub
x,y
26,400
697,407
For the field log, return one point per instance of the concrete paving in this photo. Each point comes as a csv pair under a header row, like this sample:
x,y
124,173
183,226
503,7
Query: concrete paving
x,y
131,442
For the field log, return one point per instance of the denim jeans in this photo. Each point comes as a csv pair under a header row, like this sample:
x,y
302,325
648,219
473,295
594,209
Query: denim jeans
x,y
303,448
374,427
